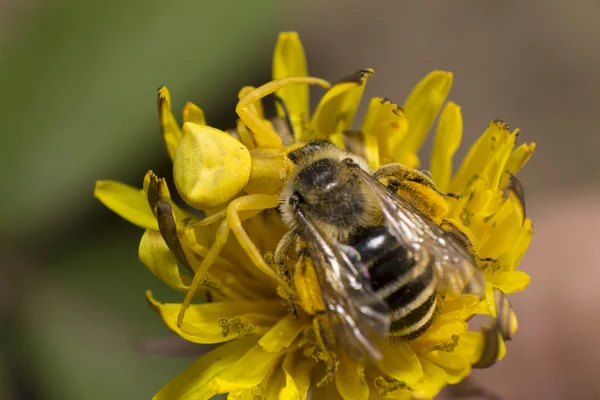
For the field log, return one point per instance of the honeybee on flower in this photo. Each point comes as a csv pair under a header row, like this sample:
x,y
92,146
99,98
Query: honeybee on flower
x,y
325,259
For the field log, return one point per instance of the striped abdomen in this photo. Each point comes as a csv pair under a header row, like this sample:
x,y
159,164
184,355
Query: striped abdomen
x,y
403,278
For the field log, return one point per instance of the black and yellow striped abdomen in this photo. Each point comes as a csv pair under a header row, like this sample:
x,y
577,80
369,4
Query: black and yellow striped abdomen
x,y
404,278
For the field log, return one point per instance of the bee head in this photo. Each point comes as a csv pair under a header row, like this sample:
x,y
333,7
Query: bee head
x,y
327,188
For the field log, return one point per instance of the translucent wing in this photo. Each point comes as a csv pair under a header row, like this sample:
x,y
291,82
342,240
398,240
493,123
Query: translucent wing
x,y
454,268
360,318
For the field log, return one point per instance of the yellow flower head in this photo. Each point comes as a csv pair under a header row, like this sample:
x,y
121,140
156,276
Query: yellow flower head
x,y
266,309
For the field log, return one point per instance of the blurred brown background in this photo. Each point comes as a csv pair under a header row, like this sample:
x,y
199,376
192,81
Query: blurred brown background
x,y
78,86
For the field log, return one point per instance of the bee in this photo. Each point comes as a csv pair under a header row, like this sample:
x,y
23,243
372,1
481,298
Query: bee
x,y
379,262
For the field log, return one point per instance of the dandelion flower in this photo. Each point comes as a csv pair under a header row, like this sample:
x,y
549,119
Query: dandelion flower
x,y
273,349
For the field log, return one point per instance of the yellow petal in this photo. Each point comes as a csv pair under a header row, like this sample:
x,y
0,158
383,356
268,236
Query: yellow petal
x,y
282,334
217,322
337,107
297,371
447,140
421,107
510,259
385,122
210,167
244,394
155,254
442,330
477,161
274,384
128,202
401,363
325,392
288,61
519,157
456,366
459,307
192,384
471,345
249,370
498,163
486,347
434,379
193,113
350,379
509,282
502,230
170,129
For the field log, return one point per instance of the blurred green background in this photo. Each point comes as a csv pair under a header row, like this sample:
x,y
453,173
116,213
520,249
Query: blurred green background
x,y
79,80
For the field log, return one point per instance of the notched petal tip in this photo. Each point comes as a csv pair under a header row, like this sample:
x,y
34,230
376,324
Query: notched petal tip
x,y
359,77
210,167
170,128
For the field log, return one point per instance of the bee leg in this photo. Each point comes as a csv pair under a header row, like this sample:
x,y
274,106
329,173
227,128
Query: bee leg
x,y
402,173
281,258
250,202
264,134
325,340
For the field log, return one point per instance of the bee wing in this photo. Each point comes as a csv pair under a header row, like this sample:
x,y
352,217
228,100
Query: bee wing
x,y
454,267
360,317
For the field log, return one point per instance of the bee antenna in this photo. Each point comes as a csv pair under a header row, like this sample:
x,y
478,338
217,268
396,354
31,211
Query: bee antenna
x,y
279,100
